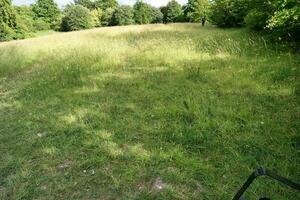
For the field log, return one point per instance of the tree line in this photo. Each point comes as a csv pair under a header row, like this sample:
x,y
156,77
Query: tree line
x,y
279,18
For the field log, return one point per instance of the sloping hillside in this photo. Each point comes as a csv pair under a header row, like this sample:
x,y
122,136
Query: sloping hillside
x,y
146,112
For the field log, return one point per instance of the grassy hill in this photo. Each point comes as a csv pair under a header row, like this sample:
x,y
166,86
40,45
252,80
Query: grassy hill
x,y
147,112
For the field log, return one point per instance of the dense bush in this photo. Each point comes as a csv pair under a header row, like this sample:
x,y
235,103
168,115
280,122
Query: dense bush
x,y
123,15
256,19
229,13
6,33
76,17
285,22
9,27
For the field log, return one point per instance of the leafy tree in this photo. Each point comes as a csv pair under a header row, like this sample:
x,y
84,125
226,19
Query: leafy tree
x,y
86,3
229,13
76,17
196,9
96,15
7,14
107,17
26,17
172,12
142,12
285,21
123,16
105,4
9,26
157,15
47,10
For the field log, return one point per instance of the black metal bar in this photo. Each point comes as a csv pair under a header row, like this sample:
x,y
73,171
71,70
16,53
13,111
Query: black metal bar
x,y
264,172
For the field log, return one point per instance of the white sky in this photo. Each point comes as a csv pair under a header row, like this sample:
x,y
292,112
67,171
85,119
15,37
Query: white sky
x,y
61,3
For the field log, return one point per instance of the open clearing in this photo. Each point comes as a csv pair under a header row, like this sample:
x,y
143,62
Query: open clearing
x,y
146,112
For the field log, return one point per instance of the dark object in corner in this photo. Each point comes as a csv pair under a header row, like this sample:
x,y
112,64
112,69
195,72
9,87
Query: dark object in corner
x,y
264,172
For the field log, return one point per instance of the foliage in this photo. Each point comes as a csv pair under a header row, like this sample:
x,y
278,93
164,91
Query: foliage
x,y
40,25
47,10
6,32
96,15
76,17
7,14
85,3
157,15
26,16
285,22
172,12
256,19
230,13
105,4
142,12
123,15
107,17
197,9
10,28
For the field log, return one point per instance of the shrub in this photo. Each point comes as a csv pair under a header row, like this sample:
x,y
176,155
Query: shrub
x,y
6,33
229,13
76,17
285,22
40,25
256,20
123,16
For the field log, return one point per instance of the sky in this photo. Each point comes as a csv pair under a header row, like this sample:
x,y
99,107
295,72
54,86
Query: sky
x,y
61,3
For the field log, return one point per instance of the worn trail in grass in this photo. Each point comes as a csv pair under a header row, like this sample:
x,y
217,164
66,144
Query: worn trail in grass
x,y
146,112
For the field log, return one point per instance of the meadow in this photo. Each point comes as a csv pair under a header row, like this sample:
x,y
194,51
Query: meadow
x,y
174,111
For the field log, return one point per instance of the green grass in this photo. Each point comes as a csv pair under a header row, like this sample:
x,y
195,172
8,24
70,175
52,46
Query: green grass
x,y
105,113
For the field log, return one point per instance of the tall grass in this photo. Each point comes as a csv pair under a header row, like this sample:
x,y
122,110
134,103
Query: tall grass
x,y
105,113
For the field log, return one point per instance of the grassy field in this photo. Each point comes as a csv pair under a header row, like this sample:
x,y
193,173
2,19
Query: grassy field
x,y
147,112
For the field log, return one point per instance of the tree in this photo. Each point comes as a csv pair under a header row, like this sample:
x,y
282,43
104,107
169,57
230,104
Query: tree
x,y
47,10
96,15
157,15
229,13
107,17
76,18
85,3
105,4
123,15
7,14
172,12
285,20
196,9
142,12
9,26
